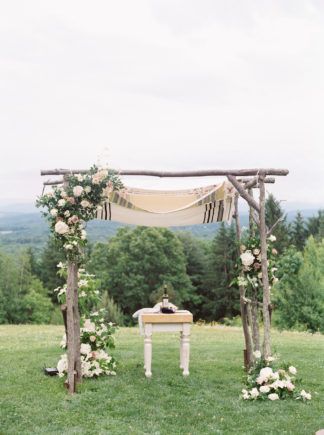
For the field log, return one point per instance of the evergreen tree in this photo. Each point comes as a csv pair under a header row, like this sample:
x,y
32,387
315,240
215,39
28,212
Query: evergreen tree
x,y
298,232
274,212
195,251
315,226
50,258
221,299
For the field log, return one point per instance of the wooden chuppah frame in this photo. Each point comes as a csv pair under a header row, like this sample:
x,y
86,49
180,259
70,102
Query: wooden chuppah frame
x,y
243,186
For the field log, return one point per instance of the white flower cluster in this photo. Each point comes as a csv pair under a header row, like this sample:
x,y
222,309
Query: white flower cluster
x,y
274,385
69,207
251,264
93,363
96,335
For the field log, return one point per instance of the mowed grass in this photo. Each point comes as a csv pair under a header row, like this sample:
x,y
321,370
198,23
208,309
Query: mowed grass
x,y
205,403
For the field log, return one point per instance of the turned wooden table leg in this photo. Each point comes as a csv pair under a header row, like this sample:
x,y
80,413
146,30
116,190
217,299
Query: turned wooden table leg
x,y
148,350
185,349
181,350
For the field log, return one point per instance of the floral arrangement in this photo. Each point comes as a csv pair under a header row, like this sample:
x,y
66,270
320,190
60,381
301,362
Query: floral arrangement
x,y
267,381
96,336
251,263
69,207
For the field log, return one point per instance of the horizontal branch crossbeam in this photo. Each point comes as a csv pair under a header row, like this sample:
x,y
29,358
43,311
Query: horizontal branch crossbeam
x,y
178,174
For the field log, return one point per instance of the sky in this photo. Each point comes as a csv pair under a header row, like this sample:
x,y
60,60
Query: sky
x,y
162,84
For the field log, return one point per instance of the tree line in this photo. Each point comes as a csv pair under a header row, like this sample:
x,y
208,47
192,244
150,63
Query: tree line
x,y
132,267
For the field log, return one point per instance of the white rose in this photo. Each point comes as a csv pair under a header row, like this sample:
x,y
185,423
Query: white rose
x,y
273,396
256,251
68,246
61,202
61,227
77,190
67,213
63,194
87,189
85,203
265,389
85,348
92,338
292,370
272,238
290,386
254,393
89,326
265,374
79,177
83,234
99,176
304,395
247,258
54,212
257,354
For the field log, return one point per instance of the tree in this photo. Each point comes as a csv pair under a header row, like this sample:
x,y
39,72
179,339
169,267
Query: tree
x,y
136,262
299,296
221,299
298,232
195,251
274,212
23,297
315,226
51,256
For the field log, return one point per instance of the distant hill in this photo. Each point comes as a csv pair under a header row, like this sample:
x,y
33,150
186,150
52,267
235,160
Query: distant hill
x,y
20,229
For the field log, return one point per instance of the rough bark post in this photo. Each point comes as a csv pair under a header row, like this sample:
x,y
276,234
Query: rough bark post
x,y
70,327
265,278
76,322
248,351
254,305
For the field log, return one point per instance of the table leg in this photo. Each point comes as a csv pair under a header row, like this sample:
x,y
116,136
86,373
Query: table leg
x,y
185,349
148,350
181,350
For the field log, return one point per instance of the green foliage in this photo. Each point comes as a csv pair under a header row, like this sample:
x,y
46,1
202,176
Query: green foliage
x,y
23,297
51,256
315,226
136,262
299,296
221,299
112,311
298,232
274,212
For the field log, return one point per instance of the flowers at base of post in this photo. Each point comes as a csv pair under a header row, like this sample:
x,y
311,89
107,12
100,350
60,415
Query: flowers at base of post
x,y
68,209
268,381
96,334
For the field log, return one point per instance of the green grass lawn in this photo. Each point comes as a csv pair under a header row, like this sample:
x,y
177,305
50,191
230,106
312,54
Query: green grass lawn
x,y
205,403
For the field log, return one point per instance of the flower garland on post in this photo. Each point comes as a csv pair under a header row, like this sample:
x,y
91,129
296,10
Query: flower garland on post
x,y
251,278
68,208
96,335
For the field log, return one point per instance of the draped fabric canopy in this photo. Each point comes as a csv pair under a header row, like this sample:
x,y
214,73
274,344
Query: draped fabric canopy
x,y
166,208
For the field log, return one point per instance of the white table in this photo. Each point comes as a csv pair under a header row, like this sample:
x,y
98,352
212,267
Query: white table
x,y
158,322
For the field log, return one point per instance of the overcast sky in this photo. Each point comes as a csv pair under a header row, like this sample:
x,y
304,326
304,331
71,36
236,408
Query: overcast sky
x,y
163,84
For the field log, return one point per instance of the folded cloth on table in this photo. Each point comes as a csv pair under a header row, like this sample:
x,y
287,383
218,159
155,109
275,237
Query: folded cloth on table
x,y
155,309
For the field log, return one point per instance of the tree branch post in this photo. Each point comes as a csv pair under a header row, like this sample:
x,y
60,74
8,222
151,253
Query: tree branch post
x,y
71,384
248,351
265,277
